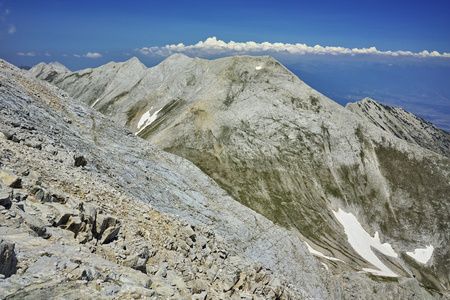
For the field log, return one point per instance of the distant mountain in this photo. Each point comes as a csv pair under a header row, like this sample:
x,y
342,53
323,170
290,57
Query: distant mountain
x,y
50,71
24,67
403,125
364,199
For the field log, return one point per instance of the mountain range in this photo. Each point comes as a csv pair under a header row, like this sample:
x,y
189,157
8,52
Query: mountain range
x,y
278,170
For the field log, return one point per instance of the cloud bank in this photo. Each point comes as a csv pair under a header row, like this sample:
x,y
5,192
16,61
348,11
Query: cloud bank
x,y
212,46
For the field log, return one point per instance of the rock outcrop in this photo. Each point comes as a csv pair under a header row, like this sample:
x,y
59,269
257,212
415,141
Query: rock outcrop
x,y
291,154
403,125
8,259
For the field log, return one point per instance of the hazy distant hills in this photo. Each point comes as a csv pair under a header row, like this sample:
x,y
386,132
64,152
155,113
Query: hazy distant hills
x,y
366,187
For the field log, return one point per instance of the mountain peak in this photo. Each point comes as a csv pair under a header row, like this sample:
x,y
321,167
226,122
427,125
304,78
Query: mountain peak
x,y
177,58
58,66
133,60
133,63
48,71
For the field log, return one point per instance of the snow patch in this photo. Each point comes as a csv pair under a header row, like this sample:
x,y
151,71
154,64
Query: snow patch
x,y
93,104
422,255
363,243
320,254
258,68
147,119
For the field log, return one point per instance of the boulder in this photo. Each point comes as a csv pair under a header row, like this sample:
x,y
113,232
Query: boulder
x,y
10,179
103,222
5,198
80,161
137,263
135,278
35,224
110,234
8,259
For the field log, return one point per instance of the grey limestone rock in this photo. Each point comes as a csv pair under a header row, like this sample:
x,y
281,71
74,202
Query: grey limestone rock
x,y
10,179
5,197
289,153
110,234
80,161
154,195
35,224
8,259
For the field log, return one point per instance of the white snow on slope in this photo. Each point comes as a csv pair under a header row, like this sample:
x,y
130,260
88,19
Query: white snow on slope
x,y
422,255
147,119
363,243
320,254
93,104
258,67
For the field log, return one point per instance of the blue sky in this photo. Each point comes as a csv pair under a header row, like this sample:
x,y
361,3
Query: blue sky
x,y
113,28
83,34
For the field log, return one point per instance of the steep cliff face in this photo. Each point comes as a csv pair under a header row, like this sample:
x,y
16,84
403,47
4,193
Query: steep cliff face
x,y
403,125
363,199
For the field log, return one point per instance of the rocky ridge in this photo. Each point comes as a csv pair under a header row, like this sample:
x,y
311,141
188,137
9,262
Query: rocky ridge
x,y
286,151
403,125
73,225
92,211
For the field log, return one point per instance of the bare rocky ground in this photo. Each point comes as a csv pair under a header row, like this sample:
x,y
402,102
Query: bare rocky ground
x,y
88,210
72,245
289,153
69,231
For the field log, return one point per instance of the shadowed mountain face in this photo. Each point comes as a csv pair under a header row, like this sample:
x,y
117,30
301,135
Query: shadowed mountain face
x,y
291,154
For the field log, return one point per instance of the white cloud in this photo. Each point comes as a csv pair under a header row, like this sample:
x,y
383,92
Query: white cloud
x,y
65,55
76,55
47,54
213,46
12,29
26,54
93,55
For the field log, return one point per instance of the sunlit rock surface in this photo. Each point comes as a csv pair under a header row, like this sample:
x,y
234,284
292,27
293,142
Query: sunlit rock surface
x,y
289,153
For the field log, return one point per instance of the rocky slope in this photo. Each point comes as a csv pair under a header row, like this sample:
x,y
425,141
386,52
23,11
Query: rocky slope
x,y
403,125
84,213
363,199
89,210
